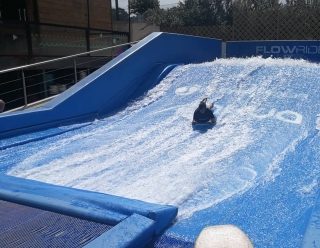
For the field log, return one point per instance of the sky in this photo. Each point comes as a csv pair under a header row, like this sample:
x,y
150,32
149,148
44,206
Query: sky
x,y
163,3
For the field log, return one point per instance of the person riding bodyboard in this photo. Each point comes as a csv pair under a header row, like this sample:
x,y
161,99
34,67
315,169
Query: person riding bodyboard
x,y
203,114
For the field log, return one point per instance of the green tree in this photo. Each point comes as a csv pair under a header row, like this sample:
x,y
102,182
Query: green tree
x,y
139,7
193,13
123,14
228,12
256,5
164,17
199,12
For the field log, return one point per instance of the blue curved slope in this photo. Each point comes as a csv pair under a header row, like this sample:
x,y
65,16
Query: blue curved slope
x,y
257,168
114,84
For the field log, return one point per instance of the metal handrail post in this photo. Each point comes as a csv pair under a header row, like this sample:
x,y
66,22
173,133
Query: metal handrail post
x,y
45,85
24,89
75,71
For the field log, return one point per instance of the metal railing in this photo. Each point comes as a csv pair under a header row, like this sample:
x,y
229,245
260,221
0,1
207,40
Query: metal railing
x,y
65,71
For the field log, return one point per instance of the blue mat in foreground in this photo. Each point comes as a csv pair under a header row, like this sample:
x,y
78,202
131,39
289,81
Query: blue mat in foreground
x,y
23,226
135,222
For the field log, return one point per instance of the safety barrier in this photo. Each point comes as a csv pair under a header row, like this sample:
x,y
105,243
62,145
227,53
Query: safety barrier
x,y
47,79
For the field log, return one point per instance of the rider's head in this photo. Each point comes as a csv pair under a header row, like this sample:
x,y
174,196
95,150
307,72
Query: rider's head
x,y
202,107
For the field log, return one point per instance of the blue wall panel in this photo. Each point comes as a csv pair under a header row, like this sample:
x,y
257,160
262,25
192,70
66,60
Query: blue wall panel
x,y
114,84
308,50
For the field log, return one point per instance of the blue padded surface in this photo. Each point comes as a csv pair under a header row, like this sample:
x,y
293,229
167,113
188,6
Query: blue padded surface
x,y
166,241
135,231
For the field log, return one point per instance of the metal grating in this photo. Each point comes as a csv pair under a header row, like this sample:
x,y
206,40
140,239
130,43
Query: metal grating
x,y
23,226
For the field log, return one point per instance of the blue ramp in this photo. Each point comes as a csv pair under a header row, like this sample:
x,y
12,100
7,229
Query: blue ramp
x,y
115,84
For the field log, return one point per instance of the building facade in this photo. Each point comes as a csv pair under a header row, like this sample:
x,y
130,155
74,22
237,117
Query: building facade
x,y
33,31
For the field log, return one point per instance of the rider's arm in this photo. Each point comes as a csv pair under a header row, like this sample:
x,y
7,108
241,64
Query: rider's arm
x,y
210,121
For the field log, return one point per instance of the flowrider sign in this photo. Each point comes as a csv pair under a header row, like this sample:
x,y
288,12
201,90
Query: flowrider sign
x,y
308,50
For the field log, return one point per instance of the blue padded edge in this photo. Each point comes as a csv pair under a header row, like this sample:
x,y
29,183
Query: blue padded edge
x,y
42,126
312,235
93,206
115,83
27,138
151,79
135,231
163,74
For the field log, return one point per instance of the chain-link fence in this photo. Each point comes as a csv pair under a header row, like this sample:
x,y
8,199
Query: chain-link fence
x,y
283,24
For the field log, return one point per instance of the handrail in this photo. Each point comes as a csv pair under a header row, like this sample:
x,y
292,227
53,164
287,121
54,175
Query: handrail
x,y
25,96
30,105
63,58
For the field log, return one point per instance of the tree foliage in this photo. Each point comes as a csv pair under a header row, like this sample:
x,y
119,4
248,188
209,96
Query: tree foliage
x,y
164,17
123,14
193,13
139,7
256,5
219,12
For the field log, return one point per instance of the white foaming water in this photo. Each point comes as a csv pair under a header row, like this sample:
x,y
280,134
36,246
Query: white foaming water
x,y
149,151
311,188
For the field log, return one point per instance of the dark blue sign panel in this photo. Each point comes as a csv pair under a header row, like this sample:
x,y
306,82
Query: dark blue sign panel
x,y
308,50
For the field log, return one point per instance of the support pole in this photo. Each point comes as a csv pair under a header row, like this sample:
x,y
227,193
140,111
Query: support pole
x,y
24,89
75,71
45,85
129,10
117,10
